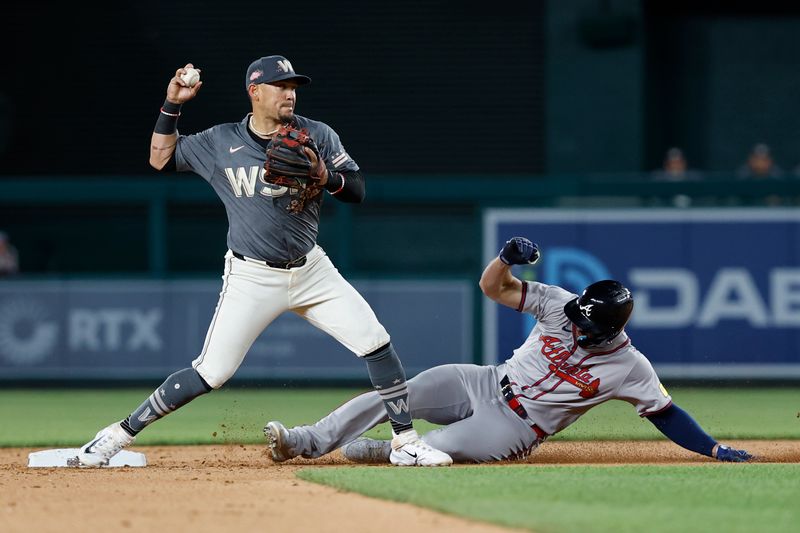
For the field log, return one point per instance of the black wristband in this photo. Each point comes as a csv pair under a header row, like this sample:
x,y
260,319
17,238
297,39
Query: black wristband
x,y
167,122
334,187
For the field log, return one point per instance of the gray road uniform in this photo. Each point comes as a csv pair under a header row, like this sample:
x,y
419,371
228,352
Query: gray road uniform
x,y
262,232
506,411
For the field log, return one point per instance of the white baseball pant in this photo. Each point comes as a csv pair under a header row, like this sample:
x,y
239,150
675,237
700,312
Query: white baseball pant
x,y
253,295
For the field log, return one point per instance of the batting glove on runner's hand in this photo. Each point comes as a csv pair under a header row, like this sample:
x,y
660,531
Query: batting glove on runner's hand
x,y
728,454
519,251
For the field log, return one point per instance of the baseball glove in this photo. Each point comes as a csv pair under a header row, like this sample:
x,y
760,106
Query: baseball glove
x,y
294,161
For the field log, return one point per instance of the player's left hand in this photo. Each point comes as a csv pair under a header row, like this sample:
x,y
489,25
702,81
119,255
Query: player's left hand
x,y
519,251
725,453
318,168
294,161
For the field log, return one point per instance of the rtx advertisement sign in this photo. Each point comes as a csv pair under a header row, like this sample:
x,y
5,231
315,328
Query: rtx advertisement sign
x,y
138,329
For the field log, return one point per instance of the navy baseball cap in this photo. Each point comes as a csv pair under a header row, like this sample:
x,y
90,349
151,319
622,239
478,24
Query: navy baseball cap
x,y
270,69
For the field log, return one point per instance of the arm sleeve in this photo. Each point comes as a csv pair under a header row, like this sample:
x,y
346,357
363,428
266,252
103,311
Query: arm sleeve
x,y
347,186
681,428
195,153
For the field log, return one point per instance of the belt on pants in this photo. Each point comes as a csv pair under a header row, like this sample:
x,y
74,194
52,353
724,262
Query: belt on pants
x,y
286,266
513,403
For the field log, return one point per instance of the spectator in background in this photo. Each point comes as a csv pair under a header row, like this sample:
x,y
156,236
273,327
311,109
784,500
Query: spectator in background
x,y
676,168
760,165
9,259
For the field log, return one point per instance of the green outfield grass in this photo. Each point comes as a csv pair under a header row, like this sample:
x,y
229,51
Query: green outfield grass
x,y
564,499
38,417
705,497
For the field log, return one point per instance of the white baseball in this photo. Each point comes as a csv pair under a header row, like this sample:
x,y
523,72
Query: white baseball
x,y
191,77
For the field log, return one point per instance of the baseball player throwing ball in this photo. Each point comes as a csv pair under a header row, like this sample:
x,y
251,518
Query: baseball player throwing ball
x,y
270,171
576,357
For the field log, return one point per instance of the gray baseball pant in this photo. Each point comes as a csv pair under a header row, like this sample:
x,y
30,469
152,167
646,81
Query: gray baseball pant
x,y
479,425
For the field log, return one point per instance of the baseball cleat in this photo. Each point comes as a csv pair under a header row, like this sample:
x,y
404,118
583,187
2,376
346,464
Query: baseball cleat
x,y
105,445
277,437
369,451
408,449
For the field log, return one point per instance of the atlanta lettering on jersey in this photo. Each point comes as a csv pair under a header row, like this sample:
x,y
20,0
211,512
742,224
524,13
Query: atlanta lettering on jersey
x,y
554,351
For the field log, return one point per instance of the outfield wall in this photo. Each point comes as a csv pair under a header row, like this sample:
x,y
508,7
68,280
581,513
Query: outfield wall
x,y
717,295
133,329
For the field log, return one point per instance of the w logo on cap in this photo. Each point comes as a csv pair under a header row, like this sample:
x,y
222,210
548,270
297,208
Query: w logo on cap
x,y
271,69
285,65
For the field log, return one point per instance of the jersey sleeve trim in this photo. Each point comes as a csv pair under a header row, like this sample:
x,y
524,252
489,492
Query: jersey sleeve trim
x,y
521,305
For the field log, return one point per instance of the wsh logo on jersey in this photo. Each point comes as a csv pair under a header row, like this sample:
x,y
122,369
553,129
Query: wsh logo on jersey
x,y
243,182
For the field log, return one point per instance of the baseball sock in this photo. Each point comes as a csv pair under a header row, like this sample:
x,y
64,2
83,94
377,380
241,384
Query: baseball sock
x,y
389,379
179,389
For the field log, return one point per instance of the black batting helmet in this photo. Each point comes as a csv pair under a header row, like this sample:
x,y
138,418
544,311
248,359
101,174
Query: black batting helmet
x,y
601,311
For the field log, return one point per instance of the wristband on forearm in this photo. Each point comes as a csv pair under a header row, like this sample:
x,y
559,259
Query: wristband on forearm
x,y
334,186
167,122
347,186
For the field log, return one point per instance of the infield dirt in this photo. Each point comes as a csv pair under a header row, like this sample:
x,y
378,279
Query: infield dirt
x,y
236,488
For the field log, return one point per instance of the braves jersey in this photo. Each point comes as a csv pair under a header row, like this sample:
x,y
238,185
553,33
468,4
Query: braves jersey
x,y
557,381
260,226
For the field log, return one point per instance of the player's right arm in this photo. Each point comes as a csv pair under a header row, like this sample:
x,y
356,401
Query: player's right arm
x,y
498,283
165,134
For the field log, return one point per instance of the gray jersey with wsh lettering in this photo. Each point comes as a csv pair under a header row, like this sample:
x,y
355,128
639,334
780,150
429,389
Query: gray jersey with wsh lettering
x,y
557,381
233,163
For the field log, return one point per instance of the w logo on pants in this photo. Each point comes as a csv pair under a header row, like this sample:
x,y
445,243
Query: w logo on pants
x,y
400,406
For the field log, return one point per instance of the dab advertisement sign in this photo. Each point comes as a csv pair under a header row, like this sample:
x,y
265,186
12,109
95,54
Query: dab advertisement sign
x,y
716,292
